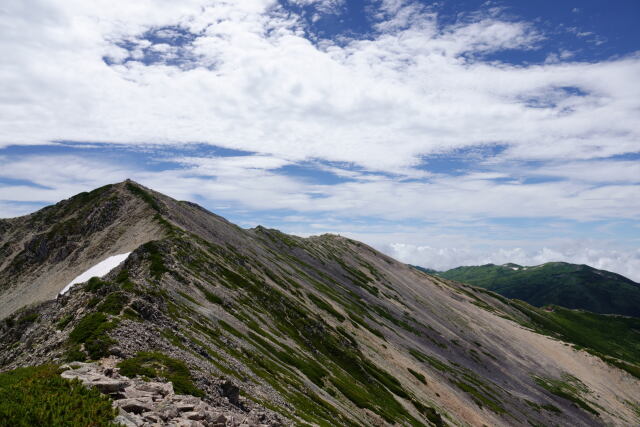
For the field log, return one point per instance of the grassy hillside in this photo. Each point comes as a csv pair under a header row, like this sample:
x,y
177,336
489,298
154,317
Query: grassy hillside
x,y
557,283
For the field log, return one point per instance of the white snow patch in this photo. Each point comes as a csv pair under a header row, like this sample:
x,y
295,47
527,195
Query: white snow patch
x,y
98,270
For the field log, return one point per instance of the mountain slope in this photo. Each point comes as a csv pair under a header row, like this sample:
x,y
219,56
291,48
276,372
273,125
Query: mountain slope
x,y
42,252
323,330
556,283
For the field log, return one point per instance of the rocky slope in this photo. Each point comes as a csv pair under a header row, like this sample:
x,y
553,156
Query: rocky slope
x,y
323,330
141,402
556,283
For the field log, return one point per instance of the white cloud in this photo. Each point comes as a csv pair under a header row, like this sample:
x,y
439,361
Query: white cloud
x,y
578,191
251,81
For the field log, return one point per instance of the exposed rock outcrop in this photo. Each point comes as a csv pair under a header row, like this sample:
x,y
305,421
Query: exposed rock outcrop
x,y
151,403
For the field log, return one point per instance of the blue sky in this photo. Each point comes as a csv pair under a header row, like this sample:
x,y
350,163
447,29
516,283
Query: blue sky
x,y
442,133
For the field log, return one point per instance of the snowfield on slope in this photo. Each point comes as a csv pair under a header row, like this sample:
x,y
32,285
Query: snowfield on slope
x,y
98,270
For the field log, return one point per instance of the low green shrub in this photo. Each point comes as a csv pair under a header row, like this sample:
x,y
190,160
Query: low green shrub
x,y
153,364
62,323
326,307
418,376
569,388
113,303
157,267
210,296
39,396
92,331
28,318
94,284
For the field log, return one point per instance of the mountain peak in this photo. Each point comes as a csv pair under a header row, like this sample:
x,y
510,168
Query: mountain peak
x,y
44,251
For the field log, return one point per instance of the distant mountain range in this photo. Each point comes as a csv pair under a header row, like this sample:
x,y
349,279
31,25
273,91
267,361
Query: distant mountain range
x,y
575,286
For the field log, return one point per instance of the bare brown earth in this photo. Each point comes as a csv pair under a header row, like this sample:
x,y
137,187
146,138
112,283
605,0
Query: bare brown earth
x,y
233,303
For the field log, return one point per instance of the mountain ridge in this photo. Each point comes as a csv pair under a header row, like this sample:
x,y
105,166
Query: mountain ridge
x,y
574,286
322,330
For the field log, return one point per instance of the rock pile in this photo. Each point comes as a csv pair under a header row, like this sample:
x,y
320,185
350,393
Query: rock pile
x,y
144,403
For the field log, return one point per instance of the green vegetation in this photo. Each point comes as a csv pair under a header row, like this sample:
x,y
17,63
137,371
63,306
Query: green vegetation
x,y
556,283
74,354
155,365
188,297
546,406
227,327
431,414
613,338
94,284
435,363
64,321
123,279
418,376
157,267
360,321
383,312
481,393
144,195
113,303
482,398
38,396
310,368
326,307
92,331
210,296
28,318
635,407
336,363
568,387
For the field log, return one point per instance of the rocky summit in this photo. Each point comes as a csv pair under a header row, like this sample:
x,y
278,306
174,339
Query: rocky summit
x,y
206,323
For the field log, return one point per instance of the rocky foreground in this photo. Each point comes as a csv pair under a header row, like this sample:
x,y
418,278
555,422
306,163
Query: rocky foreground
x,y
143,403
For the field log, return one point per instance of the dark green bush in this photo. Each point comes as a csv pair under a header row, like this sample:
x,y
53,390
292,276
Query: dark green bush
x,y
157,267
154,364
418,376
113,303
94,284
28,318
326,307
62,323
74,354
123,279
92,331
210,296
38,396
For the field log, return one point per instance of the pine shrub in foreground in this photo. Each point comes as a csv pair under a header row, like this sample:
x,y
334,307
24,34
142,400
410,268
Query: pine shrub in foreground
x,y
39,396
